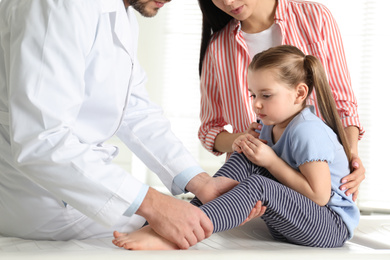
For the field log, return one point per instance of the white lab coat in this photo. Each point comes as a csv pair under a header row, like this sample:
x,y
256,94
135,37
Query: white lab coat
x,y
70,80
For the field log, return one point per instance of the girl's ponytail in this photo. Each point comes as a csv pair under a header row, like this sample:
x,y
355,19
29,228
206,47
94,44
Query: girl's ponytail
x,y
316,77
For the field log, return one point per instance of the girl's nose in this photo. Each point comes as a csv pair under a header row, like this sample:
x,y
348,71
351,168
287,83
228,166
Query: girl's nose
x,y
228,2
257,105
258,102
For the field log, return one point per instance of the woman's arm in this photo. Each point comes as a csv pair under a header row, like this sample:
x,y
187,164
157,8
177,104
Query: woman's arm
x,y
335,63
224,141
211,113
340,82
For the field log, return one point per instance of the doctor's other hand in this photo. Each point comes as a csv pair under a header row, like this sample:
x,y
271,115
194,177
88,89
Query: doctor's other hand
x,y
177,221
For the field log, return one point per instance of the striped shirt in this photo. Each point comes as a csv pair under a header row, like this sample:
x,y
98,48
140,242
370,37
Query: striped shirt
x,y
224,89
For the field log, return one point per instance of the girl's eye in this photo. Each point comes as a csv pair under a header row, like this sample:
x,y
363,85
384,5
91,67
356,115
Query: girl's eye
x,y
252,96
266,96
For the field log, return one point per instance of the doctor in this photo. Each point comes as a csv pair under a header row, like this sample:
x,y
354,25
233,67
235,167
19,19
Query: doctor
x,y
70,80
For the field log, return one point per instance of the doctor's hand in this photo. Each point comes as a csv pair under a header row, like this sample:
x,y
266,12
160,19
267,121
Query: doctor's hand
x,y
177,221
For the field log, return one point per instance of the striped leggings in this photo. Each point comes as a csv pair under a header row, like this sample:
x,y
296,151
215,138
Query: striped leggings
x,y
290,216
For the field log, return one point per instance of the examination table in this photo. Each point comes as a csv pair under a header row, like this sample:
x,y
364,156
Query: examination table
x,y
251,241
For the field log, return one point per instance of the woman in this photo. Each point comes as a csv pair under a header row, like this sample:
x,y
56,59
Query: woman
x,y
233,31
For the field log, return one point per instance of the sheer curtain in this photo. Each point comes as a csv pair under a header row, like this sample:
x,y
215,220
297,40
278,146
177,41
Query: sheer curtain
x,y
169,49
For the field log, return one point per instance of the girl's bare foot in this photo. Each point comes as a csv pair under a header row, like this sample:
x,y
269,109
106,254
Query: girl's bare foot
x,y
142,239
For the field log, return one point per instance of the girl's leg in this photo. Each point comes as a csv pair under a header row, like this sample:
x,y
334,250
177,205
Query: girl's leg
x,y
290,216
238,168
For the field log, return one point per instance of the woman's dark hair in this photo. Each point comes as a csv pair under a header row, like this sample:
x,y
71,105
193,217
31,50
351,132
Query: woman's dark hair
x,y
213,20
292,67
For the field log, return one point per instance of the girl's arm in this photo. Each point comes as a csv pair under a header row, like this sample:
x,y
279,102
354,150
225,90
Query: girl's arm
x,y
313,181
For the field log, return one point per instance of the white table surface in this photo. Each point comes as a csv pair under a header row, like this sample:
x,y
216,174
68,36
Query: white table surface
x,y
251,241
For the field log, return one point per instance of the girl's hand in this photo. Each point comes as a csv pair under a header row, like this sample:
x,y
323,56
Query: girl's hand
x,y
351,182
256,212
254,129
237,143
254,149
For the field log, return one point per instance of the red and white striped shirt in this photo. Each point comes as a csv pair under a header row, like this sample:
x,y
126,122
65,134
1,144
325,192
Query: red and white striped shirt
x,y
224,89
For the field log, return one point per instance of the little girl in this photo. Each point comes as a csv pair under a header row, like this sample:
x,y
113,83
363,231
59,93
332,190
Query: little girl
x,y
296,174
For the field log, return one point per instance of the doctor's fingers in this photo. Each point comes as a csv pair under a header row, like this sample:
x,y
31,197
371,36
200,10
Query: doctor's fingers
x,y
192,238
201,230
197,235
207,225
182,243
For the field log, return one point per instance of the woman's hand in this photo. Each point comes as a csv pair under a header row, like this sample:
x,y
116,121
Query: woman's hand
x,y
351,182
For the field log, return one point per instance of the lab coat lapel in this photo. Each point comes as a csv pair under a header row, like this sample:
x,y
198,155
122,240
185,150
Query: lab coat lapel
x,y
120,24
123,31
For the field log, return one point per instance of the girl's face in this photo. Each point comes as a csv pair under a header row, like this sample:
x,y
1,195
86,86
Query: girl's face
x,y
273,102
238,9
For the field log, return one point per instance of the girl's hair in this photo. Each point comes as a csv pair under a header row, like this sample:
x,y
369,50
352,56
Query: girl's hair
x,y
213,20
291,66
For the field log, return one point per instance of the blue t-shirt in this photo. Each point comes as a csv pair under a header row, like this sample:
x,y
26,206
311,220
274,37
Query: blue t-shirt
x,y
307,138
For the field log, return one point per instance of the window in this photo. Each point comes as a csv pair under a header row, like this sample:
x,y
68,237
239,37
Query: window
x,y
169,50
